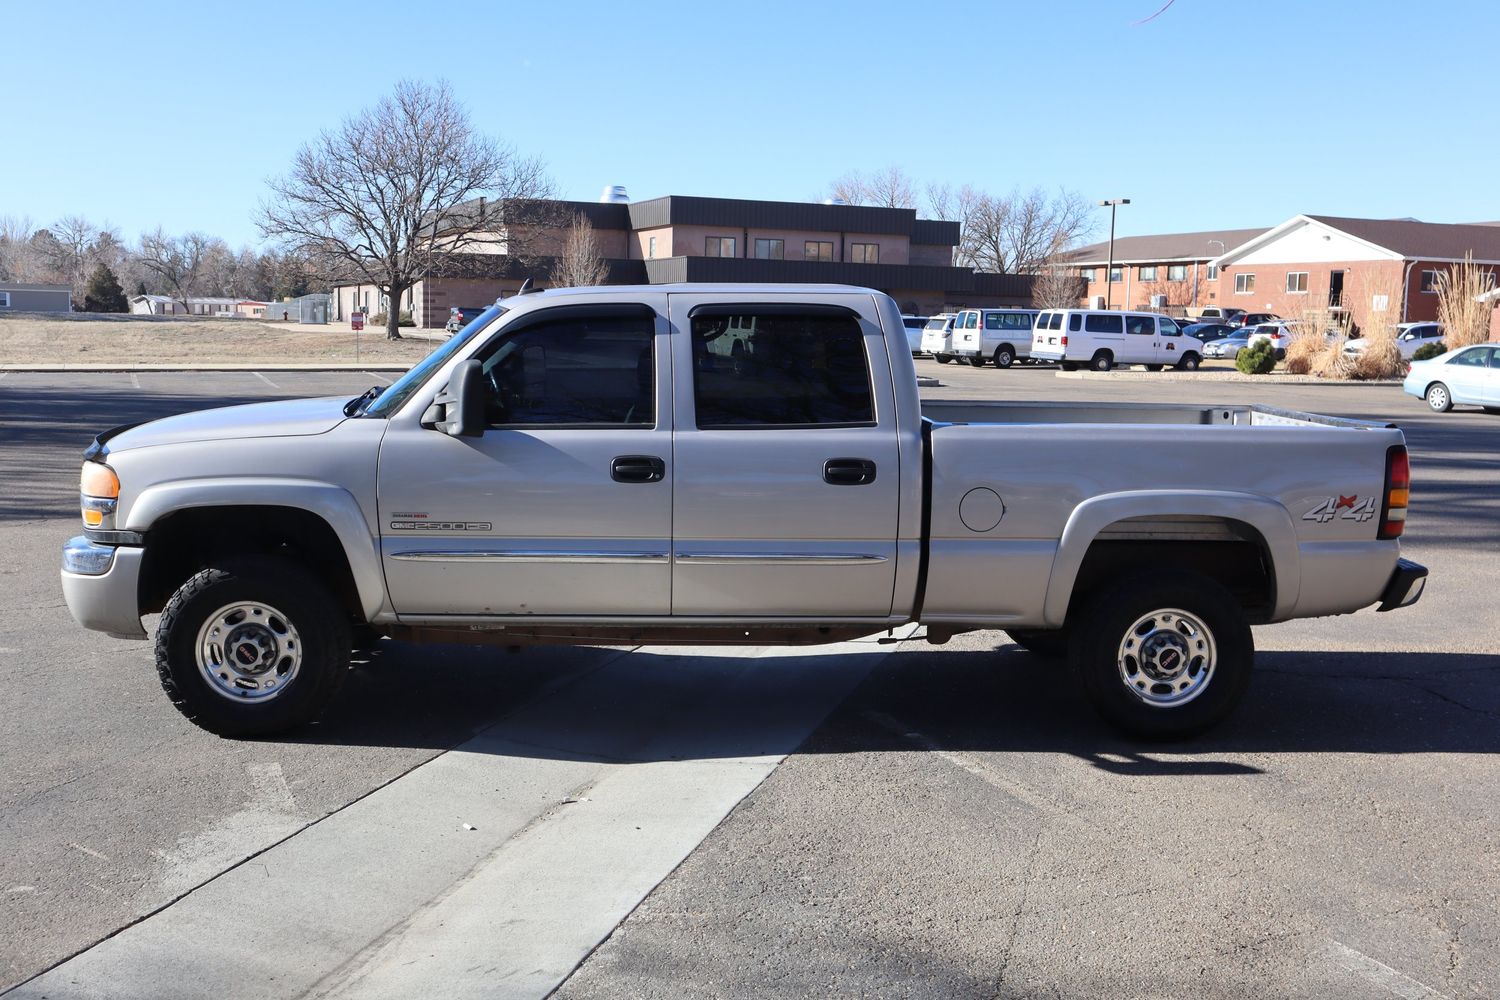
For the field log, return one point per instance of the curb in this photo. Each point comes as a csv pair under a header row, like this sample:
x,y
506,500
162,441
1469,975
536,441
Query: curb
x,y
229,367
1212,376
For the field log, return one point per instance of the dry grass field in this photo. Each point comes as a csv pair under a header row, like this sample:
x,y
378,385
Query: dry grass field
x,y
94,339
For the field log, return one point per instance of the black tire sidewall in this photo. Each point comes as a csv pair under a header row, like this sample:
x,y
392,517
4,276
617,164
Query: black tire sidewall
x,y
321,625
1008,354
1447,398
1096,630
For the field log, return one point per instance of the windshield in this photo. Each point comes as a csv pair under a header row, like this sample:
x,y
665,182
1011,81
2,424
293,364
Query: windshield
x,y
392,399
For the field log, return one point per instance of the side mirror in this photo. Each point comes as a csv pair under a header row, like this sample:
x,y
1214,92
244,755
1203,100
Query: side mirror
x,y
462,402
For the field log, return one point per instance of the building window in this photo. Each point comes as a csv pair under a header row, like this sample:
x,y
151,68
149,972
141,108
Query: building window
x,y
719,246
866,253
4,300
651,248
1148,273
1213,272
1430,282
1296,282
1116,275
1089,274
1244,284
770,249
818,250
1177,272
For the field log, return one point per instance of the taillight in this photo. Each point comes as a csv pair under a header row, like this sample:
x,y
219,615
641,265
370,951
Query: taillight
x,y
1065,340
1397,492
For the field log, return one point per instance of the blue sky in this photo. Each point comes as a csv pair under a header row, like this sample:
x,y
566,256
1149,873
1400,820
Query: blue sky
x,y
1215,114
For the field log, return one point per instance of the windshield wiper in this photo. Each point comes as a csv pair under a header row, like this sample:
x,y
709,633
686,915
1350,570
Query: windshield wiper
x,y
359,403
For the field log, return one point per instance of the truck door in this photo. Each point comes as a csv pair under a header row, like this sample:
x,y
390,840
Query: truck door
x,y
564,505
787,485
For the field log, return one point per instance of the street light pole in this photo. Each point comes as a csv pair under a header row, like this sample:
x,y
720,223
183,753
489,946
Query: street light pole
x,y
1109,270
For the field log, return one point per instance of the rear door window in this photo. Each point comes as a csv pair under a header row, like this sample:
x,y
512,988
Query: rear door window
x,y
780,370
1098,323
1056,323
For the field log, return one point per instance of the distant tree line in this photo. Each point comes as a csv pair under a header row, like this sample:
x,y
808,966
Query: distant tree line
x,y
104,269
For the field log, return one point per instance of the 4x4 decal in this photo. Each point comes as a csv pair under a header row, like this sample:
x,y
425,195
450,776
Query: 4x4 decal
x,y
1344,508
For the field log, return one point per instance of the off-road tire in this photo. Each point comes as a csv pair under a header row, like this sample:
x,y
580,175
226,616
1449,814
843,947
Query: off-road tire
x,y
1098,628
321,624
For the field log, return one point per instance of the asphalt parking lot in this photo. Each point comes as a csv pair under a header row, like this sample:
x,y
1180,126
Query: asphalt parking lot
x,y
896,820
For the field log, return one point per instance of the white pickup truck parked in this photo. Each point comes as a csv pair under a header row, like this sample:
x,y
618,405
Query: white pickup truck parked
x,y
723,464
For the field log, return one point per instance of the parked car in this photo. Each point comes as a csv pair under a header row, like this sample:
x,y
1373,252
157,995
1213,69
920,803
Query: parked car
x,y
1228,347
461,316
1409,337
1253,319
914,327
1218,314
808,495
1209,331
1467,375
1102,339
999,335
937,337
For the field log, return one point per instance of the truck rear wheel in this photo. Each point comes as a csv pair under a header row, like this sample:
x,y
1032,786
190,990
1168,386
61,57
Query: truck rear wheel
x,y
1005,356
977,360
1103,362
943,359
1162,656
1070,366
252,646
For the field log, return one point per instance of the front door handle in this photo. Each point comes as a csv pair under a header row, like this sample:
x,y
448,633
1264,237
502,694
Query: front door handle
x,y
848,472
637,469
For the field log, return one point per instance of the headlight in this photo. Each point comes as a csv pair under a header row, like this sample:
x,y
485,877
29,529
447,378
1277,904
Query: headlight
x,y
99,495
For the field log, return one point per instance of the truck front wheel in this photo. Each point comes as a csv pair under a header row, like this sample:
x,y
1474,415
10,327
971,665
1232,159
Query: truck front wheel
x,y
1162,656
252,646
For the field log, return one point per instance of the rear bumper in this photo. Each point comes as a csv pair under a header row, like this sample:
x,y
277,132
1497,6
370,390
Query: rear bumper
x,y
99,583
1405,586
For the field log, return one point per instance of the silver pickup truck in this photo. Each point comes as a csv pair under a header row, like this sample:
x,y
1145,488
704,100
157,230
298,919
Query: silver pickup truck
x,y
716,464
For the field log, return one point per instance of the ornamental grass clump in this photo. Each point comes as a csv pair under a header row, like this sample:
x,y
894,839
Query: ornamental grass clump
x,y
1465,318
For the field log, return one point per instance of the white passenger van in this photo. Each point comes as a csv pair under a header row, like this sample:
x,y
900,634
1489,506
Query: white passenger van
x,y
1102,339
937,337
999,335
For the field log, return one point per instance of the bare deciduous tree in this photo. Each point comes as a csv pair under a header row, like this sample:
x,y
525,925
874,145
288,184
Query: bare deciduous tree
x,y
175,262
1057,286
888,188
390,195
580,262
1018,233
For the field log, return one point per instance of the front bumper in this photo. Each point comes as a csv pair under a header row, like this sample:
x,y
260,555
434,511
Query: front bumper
x,y
100,584
1406,585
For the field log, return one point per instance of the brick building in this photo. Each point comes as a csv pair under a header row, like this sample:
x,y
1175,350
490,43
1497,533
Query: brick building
x,y
1176,265
1364,266
689,239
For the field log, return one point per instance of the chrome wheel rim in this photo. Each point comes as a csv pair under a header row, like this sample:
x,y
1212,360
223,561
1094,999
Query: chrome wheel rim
x,y
1167,658
248,651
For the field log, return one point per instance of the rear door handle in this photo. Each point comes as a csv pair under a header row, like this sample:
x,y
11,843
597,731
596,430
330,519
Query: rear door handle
x,y
637,469
848,472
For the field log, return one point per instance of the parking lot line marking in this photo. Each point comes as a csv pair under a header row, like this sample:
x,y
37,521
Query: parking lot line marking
x,y
379,378
135,380
267,381
1379,974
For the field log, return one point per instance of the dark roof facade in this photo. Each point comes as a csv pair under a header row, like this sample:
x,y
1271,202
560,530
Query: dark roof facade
x,y
1422,240
1166,246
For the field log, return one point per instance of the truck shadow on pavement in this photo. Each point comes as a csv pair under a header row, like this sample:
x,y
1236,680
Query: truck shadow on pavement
x,y
654,705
